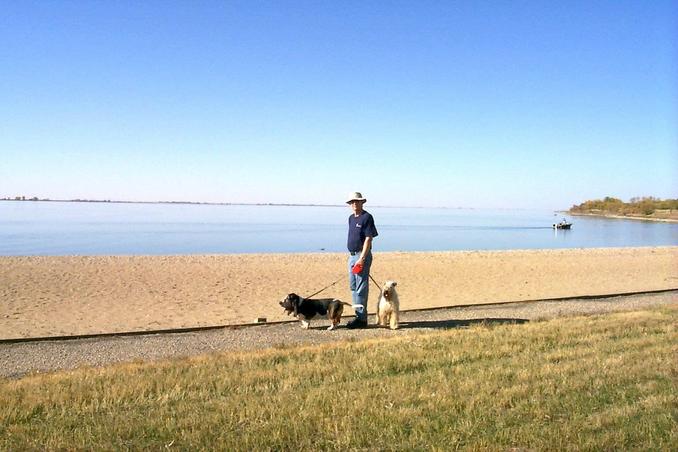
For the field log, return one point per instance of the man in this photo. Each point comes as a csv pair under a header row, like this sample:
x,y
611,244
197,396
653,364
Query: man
x,y
361,231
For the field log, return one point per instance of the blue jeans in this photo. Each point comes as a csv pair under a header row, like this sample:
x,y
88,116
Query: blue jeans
x,y
360,284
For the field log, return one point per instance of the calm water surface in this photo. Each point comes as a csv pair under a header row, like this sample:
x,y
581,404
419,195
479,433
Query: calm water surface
x,y
69,228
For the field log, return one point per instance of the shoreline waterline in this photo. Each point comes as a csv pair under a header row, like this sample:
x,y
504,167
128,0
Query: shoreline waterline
x,y
623,217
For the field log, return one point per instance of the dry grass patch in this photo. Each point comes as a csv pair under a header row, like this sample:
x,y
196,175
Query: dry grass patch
x,y
601,382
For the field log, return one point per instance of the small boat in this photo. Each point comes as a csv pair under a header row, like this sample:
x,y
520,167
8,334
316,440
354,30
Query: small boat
x,y
562,225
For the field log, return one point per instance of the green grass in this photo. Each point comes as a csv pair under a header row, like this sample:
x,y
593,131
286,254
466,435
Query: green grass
x,y
592,383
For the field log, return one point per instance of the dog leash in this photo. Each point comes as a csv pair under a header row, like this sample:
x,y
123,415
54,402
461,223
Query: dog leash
x,y
326,287
375,282
338,279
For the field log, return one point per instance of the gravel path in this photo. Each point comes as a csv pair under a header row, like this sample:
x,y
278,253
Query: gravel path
x,y
20,359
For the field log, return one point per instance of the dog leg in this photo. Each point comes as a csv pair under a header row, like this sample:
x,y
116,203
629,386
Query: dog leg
x,y
335,321
395,324
334,315
381,316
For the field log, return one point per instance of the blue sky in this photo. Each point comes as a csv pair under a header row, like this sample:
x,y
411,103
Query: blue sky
x,y
527,104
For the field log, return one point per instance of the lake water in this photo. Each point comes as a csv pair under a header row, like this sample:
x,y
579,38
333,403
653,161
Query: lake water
x,y
70,228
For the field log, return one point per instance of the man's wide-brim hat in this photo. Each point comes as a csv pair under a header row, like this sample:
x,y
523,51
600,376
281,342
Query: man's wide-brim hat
x,y
355,196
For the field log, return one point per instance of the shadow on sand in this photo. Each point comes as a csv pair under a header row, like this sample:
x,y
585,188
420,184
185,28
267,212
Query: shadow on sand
x,y
437,324
461,323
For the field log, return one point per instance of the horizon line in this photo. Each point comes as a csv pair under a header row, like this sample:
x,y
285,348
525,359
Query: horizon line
x,y
287,204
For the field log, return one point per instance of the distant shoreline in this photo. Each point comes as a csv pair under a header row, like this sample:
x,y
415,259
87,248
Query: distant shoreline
x,y
622,217
261,204
108,201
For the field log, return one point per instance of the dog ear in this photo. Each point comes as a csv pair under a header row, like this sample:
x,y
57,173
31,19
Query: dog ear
x,y
395,283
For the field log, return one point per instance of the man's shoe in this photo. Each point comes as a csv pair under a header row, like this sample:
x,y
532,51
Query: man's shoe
x,y
356,323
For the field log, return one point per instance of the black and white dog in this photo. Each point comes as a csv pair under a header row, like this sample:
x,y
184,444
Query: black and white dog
x,y
306,308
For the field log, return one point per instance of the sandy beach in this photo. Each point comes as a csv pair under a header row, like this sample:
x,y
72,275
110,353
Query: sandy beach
x,y
54,296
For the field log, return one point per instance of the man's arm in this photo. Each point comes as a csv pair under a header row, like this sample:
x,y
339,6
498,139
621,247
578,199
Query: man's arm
x,y
367,246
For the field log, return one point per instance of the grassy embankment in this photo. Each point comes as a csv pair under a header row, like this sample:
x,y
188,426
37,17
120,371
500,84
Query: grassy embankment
x,y
647,208
601,383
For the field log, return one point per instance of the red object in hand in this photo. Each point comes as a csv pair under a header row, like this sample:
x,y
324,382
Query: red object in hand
x,y
357,268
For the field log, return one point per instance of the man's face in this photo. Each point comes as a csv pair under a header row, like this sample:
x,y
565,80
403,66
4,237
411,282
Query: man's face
x,y
357,206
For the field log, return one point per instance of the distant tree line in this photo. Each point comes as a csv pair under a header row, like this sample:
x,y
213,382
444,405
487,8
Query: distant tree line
x,y
22,198
647,205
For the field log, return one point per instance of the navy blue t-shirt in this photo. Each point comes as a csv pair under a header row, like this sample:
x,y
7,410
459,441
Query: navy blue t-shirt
x,y
358,228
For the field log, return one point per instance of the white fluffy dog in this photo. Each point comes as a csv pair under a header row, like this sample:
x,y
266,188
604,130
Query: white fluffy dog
x,y
388,310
